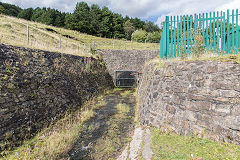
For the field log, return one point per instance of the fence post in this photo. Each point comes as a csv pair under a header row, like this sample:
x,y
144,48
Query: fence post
x,y
233,49
228,33
164,43
174,19
60,42
221,30
214,34
188,34
171,38
167,30
191,31
217,32
203,29
178,26
207,37
237,32
224,42
27,34
145,43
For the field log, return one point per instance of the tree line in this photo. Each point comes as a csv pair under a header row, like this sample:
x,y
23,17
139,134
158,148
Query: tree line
x,y
92,20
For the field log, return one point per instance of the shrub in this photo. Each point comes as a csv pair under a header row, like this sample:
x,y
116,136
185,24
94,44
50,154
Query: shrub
x,y
198,45
139,35
154,37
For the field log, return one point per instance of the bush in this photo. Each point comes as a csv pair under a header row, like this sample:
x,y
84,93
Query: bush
x,y
139,35
154,37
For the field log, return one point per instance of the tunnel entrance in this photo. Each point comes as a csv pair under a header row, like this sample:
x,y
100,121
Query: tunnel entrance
x,y
125,79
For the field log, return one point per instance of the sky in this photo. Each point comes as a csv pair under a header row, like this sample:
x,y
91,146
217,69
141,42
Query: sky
x,y
151,10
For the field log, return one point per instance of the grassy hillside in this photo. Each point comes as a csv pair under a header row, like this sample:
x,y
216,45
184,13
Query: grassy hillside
x,y
13,31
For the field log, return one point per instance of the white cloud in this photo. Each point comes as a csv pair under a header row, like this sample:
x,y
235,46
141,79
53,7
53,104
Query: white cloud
x,y
139,8
231,5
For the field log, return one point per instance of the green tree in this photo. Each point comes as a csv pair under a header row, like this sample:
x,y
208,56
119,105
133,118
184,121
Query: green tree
x,y
129,29
150,27
69,21
95,18
26,14
79,20
37,14
105,26
59,19
2,10
139,35
11,10
118,30
137,23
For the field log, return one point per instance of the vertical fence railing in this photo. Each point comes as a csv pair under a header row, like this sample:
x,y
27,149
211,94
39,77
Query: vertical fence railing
x,y
220,33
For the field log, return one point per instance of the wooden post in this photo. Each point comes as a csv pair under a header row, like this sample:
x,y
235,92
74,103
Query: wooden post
x,y
145,43
28,34
60,43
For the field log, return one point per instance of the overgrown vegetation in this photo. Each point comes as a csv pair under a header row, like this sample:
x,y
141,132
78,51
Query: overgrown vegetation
x,y
172,146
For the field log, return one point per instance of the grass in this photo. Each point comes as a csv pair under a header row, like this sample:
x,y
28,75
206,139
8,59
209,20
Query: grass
x,y
159,63
58,139
126,93
171,146
123,109
115,137
13,31
137,108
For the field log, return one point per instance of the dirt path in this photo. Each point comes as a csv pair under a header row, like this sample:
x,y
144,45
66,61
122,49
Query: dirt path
x,y
105,134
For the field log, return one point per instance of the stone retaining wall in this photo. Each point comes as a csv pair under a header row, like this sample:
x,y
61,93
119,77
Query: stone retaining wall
x,y
38,87
194,97
129,60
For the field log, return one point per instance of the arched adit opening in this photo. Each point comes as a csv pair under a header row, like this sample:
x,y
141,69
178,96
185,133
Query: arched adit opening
x,y
125,79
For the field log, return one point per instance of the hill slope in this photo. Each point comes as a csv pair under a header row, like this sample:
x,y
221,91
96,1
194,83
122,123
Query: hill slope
x,y
13,31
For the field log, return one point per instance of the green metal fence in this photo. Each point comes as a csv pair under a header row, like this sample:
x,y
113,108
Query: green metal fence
x,y
220,32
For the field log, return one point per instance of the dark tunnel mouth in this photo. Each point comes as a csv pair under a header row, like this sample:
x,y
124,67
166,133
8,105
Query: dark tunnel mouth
x,y
125,78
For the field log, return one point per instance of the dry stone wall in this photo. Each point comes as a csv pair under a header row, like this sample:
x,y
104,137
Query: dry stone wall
x,y
38,87
128,60
194,97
